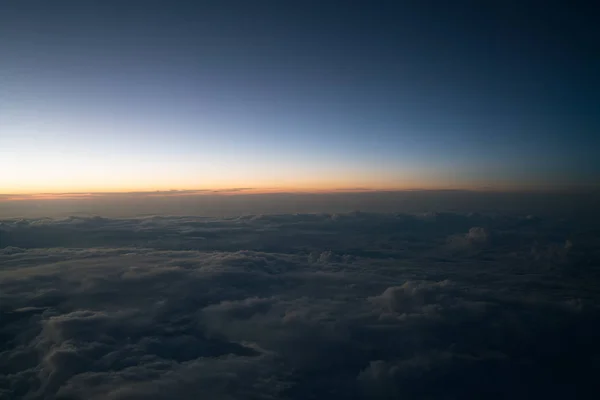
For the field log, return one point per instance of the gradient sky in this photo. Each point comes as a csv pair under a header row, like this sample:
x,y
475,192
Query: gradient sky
x,y
149,95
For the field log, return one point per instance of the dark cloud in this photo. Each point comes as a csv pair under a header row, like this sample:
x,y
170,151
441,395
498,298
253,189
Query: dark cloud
x,y
300,306
244,201
413,297
477,235
232,190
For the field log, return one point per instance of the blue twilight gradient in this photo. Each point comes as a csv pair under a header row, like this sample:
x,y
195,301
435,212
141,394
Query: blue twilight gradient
x,y
456,92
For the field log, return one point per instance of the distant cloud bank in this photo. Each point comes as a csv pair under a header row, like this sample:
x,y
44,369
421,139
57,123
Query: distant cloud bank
x,y
249,201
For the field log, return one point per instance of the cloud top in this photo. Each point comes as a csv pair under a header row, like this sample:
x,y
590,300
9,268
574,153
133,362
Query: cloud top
x,y
297,306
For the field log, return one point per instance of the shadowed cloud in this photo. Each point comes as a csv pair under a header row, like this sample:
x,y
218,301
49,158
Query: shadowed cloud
x,y
297,306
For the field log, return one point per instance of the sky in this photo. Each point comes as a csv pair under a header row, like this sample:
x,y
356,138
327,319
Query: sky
x,y
297,95
299,199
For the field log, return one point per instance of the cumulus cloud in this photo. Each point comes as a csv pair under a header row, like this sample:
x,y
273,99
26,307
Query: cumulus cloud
x,y
297,306
477,235
413,297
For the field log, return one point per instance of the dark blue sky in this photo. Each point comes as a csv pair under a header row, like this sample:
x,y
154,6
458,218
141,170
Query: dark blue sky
x,y
176,94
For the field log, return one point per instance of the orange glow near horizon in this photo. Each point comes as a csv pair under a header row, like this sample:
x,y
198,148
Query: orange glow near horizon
x,y
71,194
75,193
326,181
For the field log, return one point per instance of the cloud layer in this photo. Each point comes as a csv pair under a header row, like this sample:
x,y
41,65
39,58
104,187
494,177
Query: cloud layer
x,y
299,306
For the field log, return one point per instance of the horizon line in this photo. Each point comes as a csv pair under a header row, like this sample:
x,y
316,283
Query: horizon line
x,y
88,194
